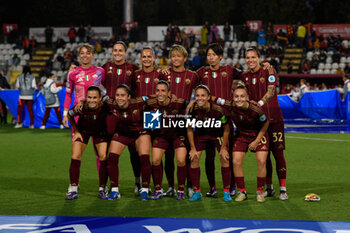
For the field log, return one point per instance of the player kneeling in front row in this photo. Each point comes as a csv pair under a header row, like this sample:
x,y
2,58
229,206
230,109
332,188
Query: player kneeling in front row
x,y
251,134
91,123
202,137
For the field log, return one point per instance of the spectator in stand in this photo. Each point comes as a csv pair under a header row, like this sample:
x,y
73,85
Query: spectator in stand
x,y
315,87
340,71
241,52
89,32
322,57
323,43
290,66
303,88
323,87
206,23
163,61
317,44
314,61
290,34
270,50
301,33
346,89
204,35
93,40
214,33
347,69
294,94
331,42
336,57
72,33
238,66
245,32
168,39
338,42
261,37
309,44
48,36
263,51
56,65
196,61
269,33
81,33
279,52
227,31
60,43
230,51
282,38
15,60
287,89
3,109
306,67
26,45
273,61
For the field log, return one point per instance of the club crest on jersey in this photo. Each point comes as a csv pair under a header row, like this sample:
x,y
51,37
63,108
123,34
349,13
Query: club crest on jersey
x,y
223,74
119,71
110,70
262,80
214,74
254,81
188,81
156,80
147,80
178,80
128,72
135,111
272,79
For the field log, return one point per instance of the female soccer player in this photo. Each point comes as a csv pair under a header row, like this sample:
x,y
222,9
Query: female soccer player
x,y
251,134
217,133
169,106
91,123
261,85
129,129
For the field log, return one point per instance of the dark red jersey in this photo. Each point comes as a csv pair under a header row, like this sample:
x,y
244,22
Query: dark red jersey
x,y
257,84
248,121
116,75
170,113
182,83
129,120
219,81
214,115
145,83
91,121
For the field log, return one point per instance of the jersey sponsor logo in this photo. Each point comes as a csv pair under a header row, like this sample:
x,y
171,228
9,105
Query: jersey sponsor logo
x,y
272,79
128,72
223,74
188,81
151,120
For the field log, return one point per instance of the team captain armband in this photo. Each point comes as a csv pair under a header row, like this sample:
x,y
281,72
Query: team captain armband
x,y
72,113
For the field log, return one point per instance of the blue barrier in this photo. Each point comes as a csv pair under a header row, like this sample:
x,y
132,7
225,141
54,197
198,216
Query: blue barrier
x,y
313,105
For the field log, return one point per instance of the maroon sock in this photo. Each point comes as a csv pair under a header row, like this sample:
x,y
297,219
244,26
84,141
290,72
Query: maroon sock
x,y
146,170
181,177
260,184
281,165
157,174
103,173
188,175
74,171
240,183
195,177
113,169
226,178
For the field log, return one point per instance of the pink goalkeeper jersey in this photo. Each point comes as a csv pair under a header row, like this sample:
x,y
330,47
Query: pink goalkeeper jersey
x,y
80,80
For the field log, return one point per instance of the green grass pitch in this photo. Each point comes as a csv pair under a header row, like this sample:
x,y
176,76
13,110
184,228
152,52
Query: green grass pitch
x,y
34,178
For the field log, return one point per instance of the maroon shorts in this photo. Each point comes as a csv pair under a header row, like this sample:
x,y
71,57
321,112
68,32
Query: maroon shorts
x,y
111,123
241,143
276,134
201,142
128,139
95,139
163,143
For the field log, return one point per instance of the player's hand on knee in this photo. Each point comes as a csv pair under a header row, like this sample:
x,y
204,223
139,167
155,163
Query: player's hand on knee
x,y
253,145
224,154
